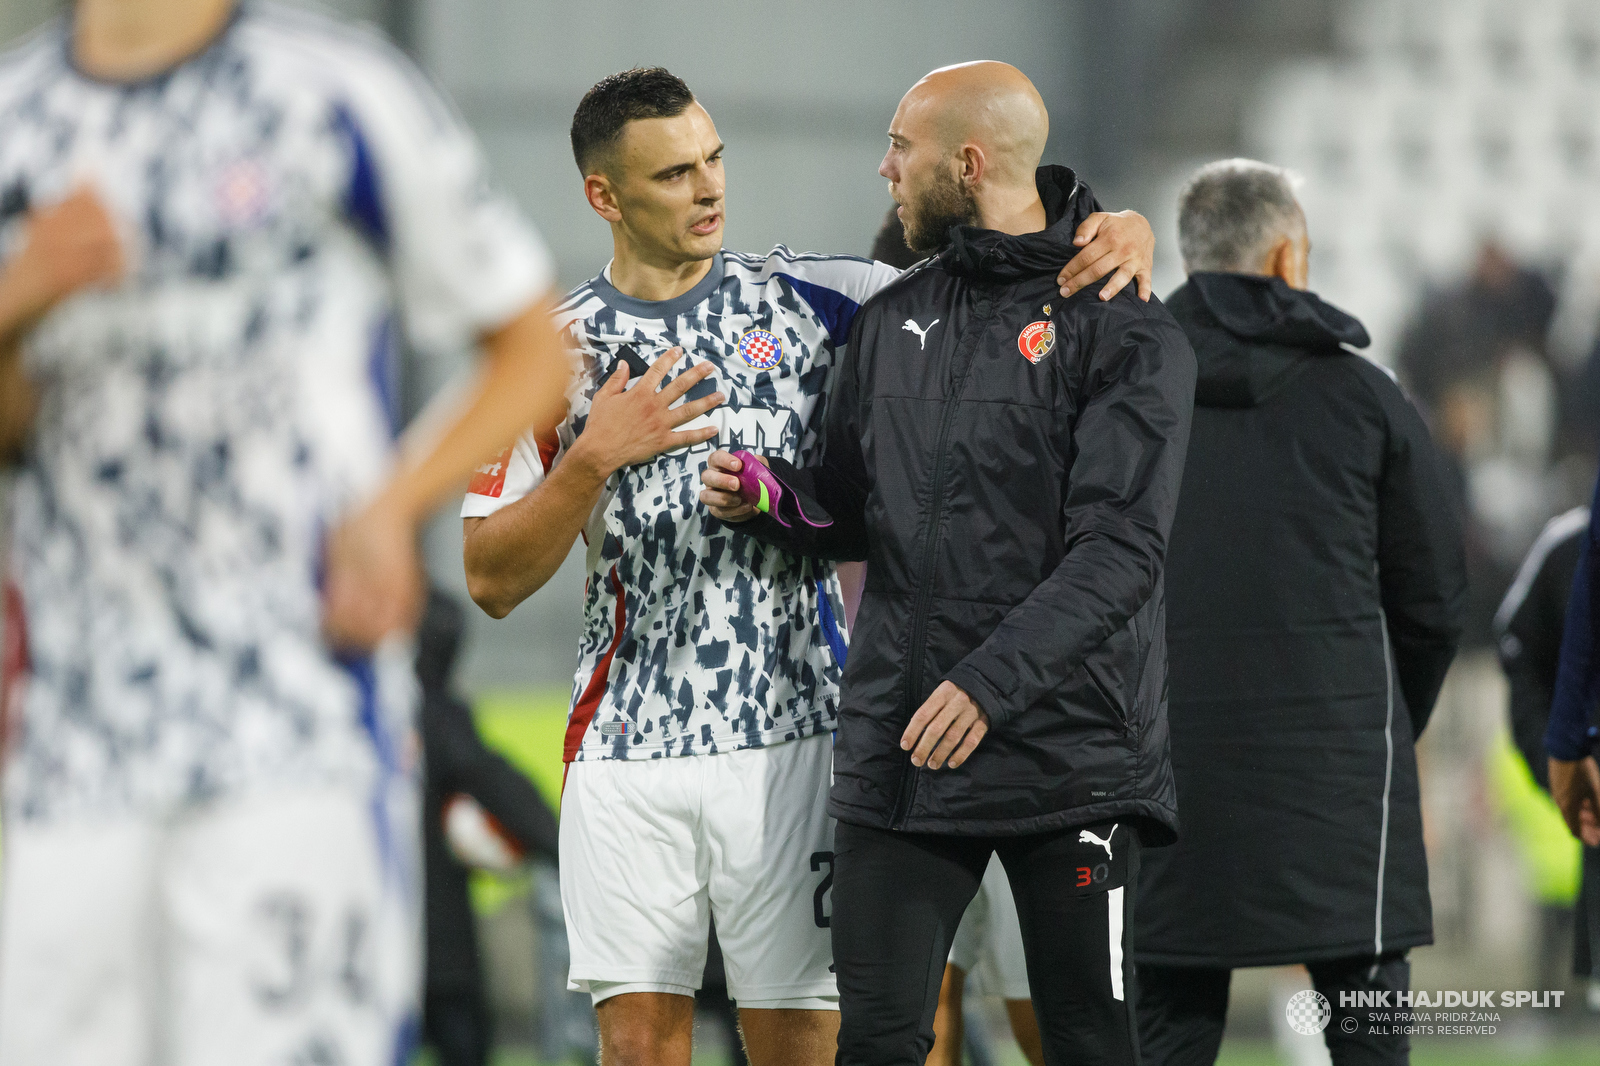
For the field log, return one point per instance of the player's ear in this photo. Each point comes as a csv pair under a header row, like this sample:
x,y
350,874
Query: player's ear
x,y
597,190
970,165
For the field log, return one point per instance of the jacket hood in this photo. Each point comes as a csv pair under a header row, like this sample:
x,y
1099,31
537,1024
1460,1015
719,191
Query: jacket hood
x,y
1252,334
990,254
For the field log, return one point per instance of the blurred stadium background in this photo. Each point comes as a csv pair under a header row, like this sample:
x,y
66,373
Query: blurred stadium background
x,y
1450,151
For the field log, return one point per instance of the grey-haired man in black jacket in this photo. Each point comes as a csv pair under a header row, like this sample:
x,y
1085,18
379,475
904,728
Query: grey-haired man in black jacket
x,y
1316,588
1008,462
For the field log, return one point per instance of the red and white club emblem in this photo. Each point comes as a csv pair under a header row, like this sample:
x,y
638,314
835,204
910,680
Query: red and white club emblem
x,y
760,348
1036,340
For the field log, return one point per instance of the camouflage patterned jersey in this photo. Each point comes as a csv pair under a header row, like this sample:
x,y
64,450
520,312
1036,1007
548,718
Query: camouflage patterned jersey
x,y
697,641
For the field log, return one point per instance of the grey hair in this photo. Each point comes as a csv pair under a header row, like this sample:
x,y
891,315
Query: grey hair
x,y
1231,213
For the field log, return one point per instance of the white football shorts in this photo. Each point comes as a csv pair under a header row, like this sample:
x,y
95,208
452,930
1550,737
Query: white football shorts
x,y
279,928
988,943
651,849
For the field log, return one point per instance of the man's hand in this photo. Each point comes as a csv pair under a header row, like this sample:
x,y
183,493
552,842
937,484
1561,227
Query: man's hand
x,y
373,585
1575,786
721,492
945,729
627,427
69,246
1122,245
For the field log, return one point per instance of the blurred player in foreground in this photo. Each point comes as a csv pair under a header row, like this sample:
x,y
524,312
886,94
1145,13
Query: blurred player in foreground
x,y
214,222
699,739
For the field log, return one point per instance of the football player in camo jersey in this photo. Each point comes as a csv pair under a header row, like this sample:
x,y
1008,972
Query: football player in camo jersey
x,y
215,221
698,744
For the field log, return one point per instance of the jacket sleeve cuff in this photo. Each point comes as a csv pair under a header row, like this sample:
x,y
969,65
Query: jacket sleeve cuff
x,y
764,529
1565,745
985,695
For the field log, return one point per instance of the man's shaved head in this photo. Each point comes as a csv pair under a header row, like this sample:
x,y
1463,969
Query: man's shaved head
x,y
992,105
963,135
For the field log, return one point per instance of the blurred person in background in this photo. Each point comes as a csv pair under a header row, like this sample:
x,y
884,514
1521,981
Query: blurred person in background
x,y
1462,332
699,743
1316,586
1474,358
478,811
1569,740
214,222
1528,628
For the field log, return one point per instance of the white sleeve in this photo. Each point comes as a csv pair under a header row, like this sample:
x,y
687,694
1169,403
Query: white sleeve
x,y
461,254
511,475
878,277
857,280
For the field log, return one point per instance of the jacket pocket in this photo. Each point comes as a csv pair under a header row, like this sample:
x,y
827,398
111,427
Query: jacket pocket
x,y
1106,689
1114,671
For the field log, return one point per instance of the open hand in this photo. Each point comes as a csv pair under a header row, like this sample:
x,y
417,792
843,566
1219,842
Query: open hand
x,y
721,492
946,728
1122,245
628,427
70,245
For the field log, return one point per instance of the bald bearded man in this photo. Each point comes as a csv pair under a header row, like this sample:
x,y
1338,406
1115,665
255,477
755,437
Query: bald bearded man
x,y
1007,461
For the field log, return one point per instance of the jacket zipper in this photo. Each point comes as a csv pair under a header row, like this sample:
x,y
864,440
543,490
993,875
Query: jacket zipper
x,y
919,619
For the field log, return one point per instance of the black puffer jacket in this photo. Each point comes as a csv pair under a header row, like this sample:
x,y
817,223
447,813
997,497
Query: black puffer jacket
x,y
1316,586
1008,462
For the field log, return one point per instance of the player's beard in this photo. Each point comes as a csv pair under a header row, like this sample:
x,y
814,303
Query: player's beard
x,y
943,204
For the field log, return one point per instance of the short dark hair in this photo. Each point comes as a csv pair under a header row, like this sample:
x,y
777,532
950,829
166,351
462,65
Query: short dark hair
x,y
618,99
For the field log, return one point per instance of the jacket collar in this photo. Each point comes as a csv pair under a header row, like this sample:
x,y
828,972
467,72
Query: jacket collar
x,y
990,255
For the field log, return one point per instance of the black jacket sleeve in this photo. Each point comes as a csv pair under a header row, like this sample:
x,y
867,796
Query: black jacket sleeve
x,y
1421,564
838,481
458,761
1130,440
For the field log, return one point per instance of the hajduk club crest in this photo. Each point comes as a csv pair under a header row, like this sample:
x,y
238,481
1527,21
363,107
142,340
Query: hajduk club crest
x,y
760,348
1036,340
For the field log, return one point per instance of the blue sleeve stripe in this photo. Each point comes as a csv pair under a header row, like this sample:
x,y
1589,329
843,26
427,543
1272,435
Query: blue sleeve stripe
x,y
363,200
383,371
830,625
836,310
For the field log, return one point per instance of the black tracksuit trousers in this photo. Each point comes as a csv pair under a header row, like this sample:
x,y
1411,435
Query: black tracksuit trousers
x,y
1183,1010
898,898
